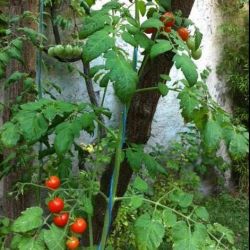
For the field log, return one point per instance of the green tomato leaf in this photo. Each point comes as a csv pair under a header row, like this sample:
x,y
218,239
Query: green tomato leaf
x,y
55,238
152,23
9,135
31,244
188,68
128,38
198,38
160,47
97,44
149,233
142,7
122,75
140,184
30,219
163,88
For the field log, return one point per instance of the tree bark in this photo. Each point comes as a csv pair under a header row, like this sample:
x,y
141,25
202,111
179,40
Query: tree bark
x,y
140,117
11,206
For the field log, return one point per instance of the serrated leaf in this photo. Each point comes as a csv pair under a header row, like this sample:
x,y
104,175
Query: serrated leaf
x,y
143,40
92,24
202,213
163,88
55,238
140,184
149,234
188,68
97,44
160,47
28,243
152,23
30,219
122,75
169,218
212,134
136,202
128,38
9,135
238,146
188,103
63,141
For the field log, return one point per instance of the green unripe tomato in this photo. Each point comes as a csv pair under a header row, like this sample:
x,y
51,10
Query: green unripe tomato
x,y
58,50
197,54
51,51
191,43
68,50
77,51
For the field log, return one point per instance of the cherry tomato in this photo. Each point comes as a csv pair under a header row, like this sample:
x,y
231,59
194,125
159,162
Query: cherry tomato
x,y
197,54
191,43
72,243
168,19
167,29
79,226
56,205
53,182
61,220
183,33
150,30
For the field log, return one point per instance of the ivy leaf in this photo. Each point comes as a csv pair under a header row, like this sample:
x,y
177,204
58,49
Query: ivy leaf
x,y
55,238
202,213
30,219
9,135
122,74
163,88
212,134
160,47
140,184
152,23
97,44
93,23
149,234
238,146
188,68
128,38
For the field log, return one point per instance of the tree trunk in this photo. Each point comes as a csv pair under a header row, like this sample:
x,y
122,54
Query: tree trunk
x,y
140,116
11,206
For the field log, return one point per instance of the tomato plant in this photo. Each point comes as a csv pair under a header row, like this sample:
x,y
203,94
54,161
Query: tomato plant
x,y
56,205
53,182
79,226
114,151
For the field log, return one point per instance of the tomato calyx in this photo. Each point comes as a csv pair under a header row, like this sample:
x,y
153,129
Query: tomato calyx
x,y
79,226
53,182
56,205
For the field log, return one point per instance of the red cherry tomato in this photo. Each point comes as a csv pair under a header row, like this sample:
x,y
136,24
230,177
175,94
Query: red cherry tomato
x,y
168,19
61,220
56,205
53,182
150,30
167,29
72,243
183,33
79,226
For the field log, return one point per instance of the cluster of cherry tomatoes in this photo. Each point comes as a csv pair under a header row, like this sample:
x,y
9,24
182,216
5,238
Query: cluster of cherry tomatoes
x,y
168,19
61,218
